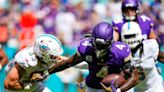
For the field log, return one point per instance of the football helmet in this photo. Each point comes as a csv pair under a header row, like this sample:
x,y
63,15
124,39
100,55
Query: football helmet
x,y
102,35
46,46
102,38
132,4
131,34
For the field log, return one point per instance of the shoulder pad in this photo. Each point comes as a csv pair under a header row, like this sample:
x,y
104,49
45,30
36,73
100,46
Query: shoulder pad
x,y
85,46
117,21
122,51
145,18
151,44
26,58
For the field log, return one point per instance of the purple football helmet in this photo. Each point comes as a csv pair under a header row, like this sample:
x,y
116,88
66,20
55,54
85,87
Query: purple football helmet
x,y
132,4
102,35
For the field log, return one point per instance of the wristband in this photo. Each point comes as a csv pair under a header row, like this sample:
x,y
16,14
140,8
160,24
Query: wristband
x,y
0,66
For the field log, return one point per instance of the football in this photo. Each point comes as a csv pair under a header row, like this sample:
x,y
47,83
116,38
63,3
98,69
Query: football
x,y
119,80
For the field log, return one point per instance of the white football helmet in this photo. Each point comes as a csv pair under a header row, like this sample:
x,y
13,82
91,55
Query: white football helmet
x,y
47,45
131,34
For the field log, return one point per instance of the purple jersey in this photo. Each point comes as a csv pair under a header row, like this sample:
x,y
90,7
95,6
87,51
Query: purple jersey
x,y
112,62
145,24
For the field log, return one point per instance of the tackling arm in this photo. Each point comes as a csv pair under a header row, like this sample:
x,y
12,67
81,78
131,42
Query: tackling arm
x,y
66,63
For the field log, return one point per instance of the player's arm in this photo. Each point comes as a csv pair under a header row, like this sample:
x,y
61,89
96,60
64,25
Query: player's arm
x,y
131,73
3,58
82,65
12,79
152,34
116,34
66,63
131,76
115,24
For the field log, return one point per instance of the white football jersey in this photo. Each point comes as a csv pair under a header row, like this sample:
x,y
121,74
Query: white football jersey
x,y
28,61
153,80
149,54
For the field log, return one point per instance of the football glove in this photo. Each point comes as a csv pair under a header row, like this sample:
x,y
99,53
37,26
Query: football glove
x,y
111,88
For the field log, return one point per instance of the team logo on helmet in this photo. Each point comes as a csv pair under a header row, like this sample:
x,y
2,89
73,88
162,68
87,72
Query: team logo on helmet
x,y
46,46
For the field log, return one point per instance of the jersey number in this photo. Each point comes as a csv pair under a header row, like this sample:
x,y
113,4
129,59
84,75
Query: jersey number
x,y
120,46
144,18
103,72
86,43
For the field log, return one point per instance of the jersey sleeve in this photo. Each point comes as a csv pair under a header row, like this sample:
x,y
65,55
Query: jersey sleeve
x,y
20,60
146,24
26,58
147,19
151,47
117,24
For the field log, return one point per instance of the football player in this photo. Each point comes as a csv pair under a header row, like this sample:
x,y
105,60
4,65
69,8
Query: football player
x,y
131,12
144,57
21,72
104,56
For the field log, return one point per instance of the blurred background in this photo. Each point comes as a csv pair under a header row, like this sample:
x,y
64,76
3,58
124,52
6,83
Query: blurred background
x,y
21,21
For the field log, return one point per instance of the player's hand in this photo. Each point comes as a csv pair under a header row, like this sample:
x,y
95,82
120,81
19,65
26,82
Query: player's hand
x,y
57,59
114,89
36,77
108,89
111,88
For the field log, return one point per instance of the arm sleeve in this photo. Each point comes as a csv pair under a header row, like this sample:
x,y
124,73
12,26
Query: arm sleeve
x,y
73,60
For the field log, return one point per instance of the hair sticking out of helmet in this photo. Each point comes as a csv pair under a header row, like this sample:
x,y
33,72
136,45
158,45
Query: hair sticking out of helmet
x,y
47,46
102,37
131,34
132,5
